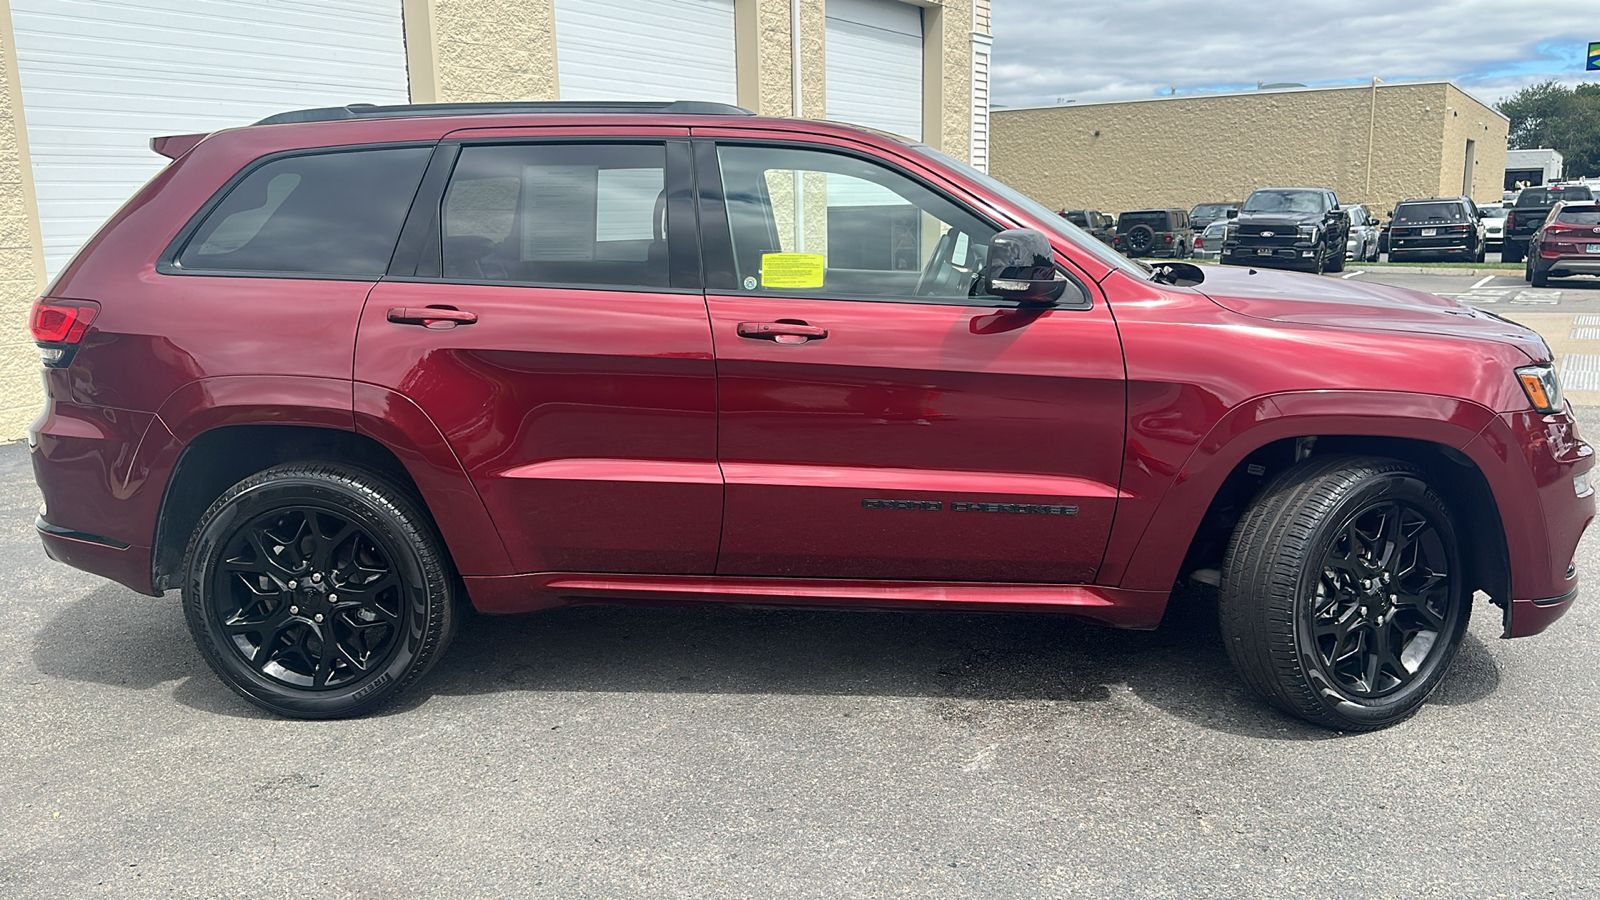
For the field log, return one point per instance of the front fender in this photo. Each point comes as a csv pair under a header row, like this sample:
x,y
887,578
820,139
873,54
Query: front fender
x,y
1153,533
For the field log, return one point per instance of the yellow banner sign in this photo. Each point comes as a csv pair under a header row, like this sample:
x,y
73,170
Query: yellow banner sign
x,y
792,270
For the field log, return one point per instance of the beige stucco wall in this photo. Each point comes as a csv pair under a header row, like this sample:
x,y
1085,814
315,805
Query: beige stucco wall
x,y
481,50
1467,119
1187,150
21,253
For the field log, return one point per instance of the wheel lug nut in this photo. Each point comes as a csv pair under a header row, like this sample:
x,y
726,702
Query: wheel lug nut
x,y
317,577
293,584
333,598
319,617
294,610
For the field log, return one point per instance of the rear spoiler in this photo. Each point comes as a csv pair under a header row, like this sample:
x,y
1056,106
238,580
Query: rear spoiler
x,y
173,146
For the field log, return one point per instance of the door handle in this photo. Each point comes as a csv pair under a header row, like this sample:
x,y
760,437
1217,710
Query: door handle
x,y
431,316
782,332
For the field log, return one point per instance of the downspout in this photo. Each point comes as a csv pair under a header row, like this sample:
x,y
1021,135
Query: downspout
x,y
1372,125
794,110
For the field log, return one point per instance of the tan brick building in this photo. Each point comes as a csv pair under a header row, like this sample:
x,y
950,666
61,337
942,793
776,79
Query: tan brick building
x,y
84,86
1371,144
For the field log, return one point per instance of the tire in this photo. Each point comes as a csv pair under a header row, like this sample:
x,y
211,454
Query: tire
x,y
1539,277
1140,239
1527,271
1337,263
1363,659
1373,255
1511,253
1315,266
304,552
1483,253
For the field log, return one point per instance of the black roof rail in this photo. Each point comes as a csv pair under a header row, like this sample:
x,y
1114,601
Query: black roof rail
x,y
369,111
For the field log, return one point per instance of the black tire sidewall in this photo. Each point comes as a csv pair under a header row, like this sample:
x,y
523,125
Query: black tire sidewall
x,y
1363,713
387,519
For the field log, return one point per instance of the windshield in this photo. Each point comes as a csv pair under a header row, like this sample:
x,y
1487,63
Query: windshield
x,y
1284,201
1041,214
1412,213
1076,217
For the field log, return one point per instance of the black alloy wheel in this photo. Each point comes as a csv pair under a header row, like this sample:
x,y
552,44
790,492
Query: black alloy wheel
x,y
1342,599
317,590
1141,239
1382,599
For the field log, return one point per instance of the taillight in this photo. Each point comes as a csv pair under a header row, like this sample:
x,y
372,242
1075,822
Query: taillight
x,y
1167,238
1199,243
1511,219
58,326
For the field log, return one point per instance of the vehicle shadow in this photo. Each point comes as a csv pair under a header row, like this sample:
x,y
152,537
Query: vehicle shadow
x,y
968,661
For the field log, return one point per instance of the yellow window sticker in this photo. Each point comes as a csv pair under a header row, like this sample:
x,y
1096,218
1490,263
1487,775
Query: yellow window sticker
x,y
792,270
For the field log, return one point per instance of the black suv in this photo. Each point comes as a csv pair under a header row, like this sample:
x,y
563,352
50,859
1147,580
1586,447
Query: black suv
x,y
1301,228
1449,228
1533,204
1097,223
1154,232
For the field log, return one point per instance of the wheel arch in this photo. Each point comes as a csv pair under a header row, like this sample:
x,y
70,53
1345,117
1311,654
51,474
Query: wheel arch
x,y
1272,432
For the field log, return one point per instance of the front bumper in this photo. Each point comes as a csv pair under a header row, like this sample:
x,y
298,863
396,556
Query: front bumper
x,y
1531,461
1241,252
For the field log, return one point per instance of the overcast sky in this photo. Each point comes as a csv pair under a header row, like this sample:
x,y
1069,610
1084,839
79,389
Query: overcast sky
x,y
1050,51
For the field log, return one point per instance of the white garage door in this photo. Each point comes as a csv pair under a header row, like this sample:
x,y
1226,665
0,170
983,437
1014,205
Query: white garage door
x,y
646,50
102,77
874,65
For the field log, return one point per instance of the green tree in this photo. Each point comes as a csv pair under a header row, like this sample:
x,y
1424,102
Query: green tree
x,y
1561,118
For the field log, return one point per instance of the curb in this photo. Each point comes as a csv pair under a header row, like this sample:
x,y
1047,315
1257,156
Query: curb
x,y
1436,270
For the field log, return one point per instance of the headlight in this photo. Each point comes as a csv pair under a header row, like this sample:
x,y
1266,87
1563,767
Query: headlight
x,y
1542,387
1308,232
1230,233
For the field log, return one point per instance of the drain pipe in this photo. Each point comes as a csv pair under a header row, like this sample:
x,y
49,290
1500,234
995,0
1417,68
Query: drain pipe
x,y
794,57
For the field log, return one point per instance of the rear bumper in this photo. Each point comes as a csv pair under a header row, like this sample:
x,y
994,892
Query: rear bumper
x,y
1573,265
126,564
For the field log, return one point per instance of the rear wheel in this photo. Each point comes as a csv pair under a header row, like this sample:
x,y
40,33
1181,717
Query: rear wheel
x,y
1539,277
1341,599
318,591
1139,240
1511,253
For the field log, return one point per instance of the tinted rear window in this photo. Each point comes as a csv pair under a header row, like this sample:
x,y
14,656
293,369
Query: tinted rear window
x,y
1076,218
316,214
1415,213
1210,209
1156,220
1589,216
1544,198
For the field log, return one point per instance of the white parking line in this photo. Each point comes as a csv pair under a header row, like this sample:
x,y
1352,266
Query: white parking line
x,y
1353,274
1481,282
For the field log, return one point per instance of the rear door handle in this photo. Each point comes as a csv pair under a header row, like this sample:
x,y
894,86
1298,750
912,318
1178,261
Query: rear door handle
x,y
431,316
782,332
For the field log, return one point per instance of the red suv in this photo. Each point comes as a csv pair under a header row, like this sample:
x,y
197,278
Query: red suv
x,y
337,373
1567,243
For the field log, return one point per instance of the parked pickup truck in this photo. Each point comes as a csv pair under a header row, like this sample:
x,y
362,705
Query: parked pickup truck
x,y
1525,217
1298,228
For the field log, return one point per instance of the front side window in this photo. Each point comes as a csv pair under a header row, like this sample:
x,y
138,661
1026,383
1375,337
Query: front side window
x,y
581,214
313,214
810,221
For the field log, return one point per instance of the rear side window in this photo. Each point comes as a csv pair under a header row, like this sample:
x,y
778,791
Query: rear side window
x,y
316,214
558,214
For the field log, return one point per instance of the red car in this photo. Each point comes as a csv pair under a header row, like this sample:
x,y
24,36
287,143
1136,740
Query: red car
x,y
335,374
1568,243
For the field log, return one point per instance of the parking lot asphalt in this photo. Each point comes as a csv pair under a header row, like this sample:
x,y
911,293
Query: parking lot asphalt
x,y
720,752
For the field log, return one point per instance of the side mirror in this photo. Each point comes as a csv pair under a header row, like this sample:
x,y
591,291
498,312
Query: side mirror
x,y
1233,214
1022,266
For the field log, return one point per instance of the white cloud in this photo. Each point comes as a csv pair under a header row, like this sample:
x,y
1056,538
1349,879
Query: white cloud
x,y
1047,51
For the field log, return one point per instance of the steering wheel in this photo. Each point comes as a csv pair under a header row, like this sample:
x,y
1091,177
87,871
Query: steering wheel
x,y
928,280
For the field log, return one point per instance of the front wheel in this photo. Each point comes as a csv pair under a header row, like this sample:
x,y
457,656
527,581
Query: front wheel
x,y
318,591
1342,600
1336,264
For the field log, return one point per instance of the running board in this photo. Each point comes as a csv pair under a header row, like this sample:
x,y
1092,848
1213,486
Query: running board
x,y
509,594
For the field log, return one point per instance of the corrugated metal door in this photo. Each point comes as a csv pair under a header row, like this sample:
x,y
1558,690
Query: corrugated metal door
x,y
646,50
874,65
101,77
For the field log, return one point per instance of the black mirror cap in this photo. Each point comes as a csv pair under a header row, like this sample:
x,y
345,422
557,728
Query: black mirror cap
x,y
1022,266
